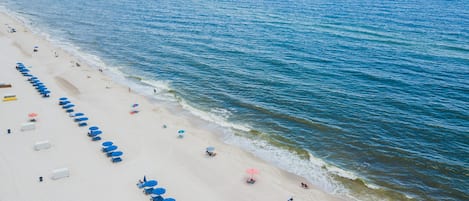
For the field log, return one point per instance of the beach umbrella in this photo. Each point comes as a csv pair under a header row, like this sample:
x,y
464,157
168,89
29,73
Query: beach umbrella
x,y
158,191
63,98
135,105
107,143
68,106
150,183
210,149
79,114
32,115
117,153
181,131
69,110
36,46
95,133
110,148
169,199
81,119
93,128
252,171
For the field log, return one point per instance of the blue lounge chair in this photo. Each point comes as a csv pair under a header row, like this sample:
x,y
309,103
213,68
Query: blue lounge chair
x,y
116,160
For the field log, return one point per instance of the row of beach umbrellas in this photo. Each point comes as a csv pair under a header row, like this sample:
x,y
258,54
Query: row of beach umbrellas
x,y
156,193
68,106
40,87
94,132
110,149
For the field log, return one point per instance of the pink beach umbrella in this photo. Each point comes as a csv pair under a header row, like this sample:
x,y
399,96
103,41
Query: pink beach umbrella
x,y
252,172
32,115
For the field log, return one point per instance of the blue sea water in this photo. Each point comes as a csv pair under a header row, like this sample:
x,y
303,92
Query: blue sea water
x,y
366,99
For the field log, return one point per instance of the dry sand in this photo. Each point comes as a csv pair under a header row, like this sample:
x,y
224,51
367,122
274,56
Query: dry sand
x,y
179,165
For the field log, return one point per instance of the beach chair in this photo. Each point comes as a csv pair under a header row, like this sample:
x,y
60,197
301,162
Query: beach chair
x,y
116,160
82,124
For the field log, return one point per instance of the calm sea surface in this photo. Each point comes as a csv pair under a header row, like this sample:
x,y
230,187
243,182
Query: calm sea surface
x,y
366,99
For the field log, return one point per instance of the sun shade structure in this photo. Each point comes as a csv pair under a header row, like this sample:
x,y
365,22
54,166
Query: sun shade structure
x,y
169,199
93,128
150,183
252,172
110,148
107,144
158,191
116,154
210,149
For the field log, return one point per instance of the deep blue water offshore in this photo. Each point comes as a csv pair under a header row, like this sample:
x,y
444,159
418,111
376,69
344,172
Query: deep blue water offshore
x,y
366,99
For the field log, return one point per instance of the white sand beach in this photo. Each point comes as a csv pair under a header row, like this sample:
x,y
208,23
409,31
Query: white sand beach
x,y
181,166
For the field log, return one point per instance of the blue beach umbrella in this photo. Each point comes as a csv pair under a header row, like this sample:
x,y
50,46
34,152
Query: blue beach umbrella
x,y
93,128
117,153
169,199
158,191
79,114
135,105
63,98
95,133
181,131
107,144
81,119
210,149
64,102
150,183
68,106
110,148
69,110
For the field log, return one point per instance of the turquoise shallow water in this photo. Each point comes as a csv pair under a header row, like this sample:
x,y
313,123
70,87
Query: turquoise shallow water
x,y
365,99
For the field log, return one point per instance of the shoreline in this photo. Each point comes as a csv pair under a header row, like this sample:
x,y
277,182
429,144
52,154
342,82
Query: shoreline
x,y
98,96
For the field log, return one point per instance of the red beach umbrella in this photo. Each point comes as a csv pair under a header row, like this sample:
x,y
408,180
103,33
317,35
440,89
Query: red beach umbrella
x,y
252,171
32,115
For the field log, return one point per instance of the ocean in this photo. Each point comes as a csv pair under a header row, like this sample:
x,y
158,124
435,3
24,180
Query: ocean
x,y
366,99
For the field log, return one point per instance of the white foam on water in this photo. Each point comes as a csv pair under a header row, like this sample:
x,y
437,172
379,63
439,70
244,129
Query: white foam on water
x,y
218,116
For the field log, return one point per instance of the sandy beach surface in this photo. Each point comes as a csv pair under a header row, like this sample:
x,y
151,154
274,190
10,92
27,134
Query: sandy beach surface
x,y
181,166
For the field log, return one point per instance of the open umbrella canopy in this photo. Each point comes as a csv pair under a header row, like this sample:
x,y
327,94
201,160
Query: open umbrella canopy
x,y
93,128
65,102
63,98
68,106
107,143
32,115
135,105
79,114
252,171
150,183
69,110
95,133
169,199
81,119
159,191
116,153
181,131
210,149
110,148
